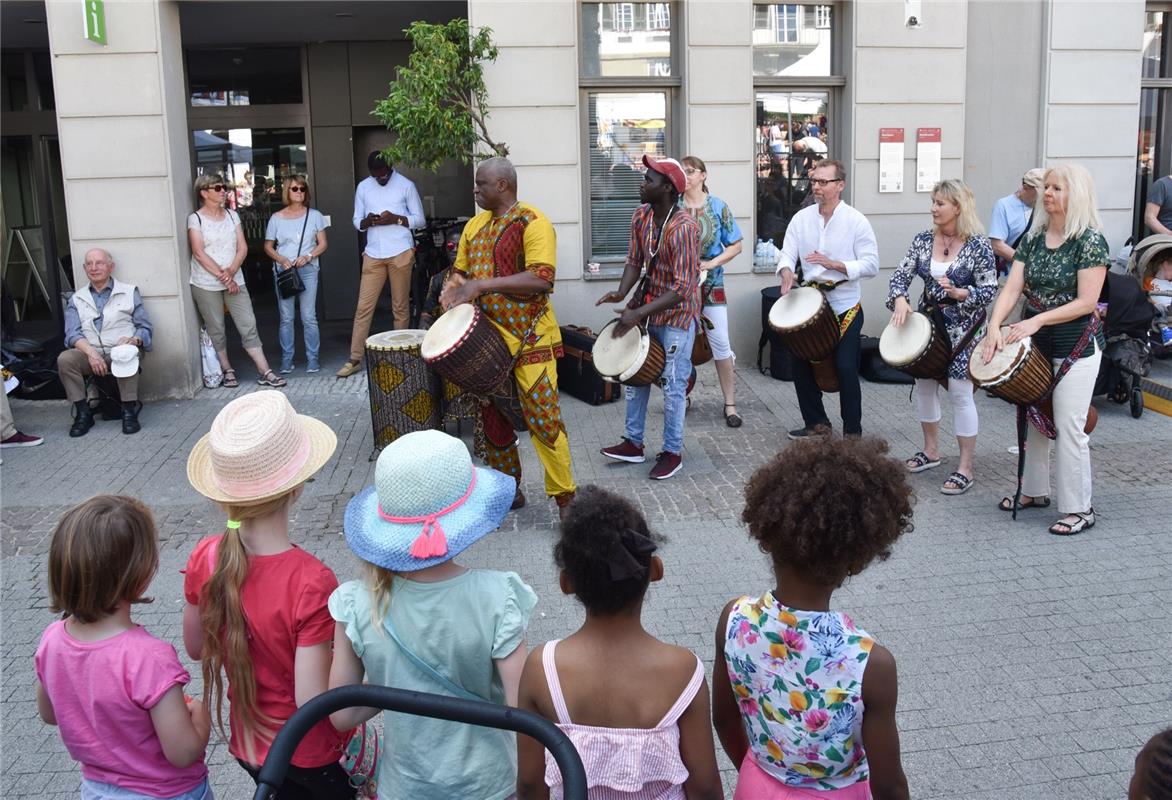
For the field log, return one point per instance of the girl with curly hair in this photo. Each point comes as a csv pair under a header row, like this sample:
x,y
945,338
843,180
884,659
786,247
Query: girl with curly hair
x,y
635,708
1152,779
788,694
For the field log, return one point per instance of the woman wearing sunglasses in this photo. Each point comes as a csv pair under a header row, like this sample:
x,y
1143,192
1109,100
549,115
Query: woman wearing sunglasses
x,y
296,236
217,251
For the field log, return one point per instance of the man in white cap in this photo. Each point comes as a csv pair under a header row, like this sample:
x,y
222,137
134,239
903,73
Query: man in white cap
x,y
105,325
667,244
1011,218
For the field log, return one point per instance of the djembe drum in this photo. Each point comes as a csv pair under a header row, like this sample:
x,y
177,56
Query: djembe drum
x,y
634,359
917,347
806,324
404,391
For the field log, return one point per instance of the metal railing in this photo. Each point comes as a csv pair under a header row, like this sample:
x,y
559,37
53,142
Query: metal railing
x,y
472,712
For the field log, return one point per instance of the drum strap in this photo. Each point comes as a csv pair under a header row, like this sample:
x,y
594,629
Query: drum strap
x,y
848,318
1037,417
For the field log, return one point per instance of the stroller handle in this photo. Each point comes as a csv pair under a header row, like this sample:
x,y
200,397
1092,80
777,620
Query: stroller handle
x,y
422,704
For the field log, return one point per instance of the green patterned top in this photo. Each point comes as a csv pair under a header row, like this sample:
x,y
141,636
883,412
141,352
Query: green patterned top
x,y
1051,280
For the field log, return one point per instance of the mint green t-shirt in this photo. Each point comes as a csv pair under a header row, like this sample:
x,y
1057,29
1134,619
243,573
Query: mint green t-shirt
x,y
457,627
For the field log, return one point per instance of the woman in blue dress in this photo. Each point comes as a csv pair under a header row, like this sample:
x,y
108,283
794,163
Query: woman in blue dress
x,y
720,243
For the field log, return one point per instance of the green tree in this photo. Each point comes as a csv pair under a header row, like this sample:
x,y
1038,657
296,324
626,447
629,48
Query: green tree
x,y
437,103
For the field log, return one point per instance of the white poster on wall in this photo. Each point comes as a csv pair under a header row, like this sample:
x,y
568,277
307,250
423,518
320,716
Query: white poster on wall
x,y
927,158
890,160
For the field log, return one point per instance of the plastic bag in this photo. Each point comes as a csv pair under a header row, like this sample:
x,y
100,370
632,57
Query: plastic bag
x,y
213,376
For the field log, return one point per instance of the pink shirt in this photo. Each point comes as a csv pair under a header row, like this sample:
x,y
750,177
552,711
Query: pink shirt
x,y
102,693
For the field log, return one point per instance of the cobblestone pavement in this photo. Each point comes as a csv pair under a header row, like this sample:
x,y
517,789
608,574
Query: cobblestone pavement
x,y
1031,666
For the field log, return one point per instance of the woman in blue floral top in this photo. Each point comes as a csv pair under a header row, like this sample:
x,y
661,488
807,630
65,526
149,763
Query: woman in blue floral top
x,y
955,262
1060,267
803,699
720,243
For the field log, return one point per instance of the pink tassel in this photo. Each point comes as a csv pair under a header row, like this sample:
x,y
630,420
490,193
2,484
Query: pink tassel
x,y
420,547
439,542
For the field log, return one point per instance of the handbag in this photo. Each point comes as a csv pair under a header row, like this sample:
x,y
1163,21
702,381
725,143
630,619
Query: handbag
x,y
360,757
213,374
701,347
289,283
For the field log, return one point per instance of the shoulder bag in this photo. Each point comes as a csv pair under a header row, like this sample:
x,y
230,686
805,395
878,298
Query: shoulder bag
x,y
289,283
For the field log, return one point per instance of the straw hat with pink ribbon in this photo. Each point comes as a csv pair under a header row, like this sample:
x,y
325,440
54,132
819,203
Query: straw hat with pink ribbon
x,y
428,504
258,448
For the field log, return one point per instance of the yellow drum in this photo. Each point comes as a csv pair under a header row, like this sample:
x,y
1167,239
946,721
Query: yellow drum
x,y
404,391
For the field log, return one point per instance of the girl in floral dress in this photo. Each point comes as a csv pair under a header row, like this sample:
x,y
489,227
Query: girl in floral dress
x,y
788,689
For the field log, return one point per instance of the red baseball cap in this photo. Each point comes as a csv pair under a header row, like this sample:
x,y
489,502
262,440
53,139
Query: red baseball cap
x,y
670,169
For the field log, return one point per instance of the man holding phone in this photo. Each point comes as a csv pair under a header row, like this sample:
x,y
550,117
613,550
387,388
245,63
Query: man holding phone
x,y
387,208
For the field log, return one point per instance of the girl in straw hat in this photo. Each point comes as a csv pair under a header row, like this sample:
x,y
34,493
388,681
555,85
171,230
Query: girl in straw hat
x,y
256,603
421,621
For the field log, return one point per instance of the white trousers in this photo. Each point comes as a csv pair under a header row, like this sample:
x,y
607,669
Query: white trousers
x,y
1072,467
718,334
960,393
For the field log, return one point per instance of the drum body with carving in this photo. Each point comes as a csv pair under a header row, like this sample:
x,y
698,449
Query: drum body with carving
x,y
1019,372
464,347
918,347
806,323
636,358
404,391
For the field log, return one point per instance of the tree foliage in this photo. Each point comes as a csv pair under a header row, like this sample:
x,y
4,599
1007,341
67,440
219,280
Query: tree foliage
x,y
437,103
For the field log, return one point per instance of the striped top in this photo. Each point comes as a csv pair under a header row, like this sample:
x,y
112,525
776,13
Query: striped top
x,y
677,266
623,763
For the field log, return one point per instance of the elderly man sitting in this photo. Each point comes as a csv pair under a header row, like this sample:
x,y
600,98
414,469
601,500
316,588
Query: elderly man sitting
x,y
106,328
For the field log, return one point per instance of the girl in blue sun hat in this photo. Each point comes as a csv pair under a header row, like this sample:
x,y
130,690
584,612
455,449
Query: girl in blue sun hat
x,y
420,621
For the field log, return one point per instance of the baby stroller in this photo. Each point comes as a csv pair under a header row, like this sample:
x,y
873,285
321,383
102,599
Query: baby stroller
x,y
1128,355
1144,263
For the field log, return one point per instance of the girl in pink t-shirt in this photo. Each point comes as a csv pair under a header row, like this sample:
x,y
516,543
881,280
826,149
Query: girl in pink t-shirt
x,y
115,691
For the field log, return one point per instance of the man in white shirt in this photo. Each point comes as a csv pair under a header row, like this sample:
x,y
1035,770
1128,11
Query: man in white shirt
x,y
387,207
835,245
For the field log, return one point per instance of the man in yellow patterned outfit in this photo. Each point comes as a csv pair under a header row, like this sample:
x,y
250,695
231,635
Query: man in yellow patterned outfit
x,y
507,255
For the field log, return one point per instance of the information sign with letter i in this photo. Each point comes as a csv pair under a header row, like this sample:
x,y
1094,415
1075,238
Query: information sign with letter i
x,y
94,14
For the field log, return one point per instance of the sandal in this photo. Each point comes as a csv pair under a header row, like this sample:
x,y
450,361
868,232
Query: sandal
x,y
920,462
1074,523
271,378
732,420
960,484
230,381
1006,503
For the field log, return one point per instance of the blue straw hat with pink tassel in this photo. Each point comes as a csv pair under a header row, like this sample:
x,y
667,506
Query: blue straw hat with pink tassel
x,y
428,504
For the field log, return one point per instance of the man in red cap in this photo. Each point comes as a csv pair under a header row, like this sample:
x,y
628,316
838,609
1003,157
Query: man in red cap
x,y
667,243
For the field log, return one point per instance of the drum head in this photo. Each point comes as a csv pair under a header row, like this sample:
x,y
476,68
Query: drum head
x,y
1002,366
396,340
796,308
903,345
614,357
447,330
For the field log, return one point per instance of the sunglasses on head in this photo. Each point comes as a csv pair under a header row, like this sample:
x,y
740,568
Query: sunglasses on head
x,y
298,189
215,187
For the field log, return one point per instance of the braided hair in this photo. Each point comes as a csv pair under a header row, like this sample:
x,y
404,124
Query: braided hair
x,y
605,550
1153,769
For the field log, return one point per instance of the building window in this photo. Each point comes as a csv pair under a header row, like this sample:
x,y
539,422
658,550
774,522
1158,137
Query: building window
x,y
1154,146
792,39
629,79
798,81
787,24
251,76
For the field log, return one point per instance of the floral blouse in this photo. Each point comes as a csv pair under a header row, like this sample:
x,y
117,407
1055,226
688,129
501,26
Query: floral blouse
x,y
973,269
1051,280
718,230
798,679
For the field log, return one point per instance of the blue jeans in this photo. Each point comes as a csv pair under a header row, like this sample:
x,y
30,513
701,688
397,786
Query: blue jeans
x,y
677,348
308,302
96,790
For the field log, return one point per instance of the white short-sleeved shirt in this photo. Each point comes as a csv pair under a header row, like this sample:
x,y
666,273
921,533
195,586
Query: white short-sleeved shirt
x,y
219,242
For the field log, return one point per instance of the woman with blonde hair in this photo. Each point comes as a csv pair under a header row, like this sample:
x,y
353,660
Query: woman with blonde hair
x,y
1060,267
295,238
955,261
256,603
218,249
